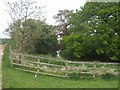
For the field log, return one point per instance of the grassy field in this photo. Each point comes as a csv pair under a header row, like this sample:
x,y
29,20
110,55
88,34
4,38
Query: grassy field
x,y
13,78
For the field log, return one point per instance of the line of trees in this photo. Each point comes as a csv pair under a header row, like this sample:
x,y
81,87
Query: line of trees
x,y
91,33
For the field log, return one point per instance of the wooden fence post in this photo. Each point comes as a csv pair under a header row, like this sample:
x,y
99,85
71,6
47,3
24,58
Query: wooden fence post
x,y
37,72
83,65
94,74
66,65
11,62
66,68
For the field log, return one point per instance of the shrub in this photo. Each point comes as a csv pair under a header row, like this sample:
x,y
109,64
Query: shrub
x,y
77,75
74,75
108,76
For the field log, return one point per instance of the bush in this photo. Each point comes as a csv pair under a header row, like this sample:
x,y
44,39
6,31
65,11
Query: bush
x,y
108,76
77,75
74,75
71,48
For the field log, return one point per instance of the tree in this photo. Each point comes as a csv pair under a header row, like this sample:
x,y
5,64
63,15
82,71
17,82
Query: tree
x,y
62,19
20,12
39,37
97,25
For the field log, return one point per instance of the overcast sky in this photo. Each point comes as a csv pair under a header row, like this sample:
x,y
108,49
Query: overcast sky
x,y
51,9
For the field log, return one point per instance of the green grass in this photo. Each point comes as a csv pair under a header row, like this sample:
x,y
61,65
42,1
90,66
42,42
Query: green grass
x,y
13,78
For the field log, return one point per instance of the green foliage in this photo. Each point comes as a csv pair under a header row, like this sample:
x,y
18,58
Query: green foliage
x,y
74,75
37,37
77,46
108,76
94,33
77,76
69,44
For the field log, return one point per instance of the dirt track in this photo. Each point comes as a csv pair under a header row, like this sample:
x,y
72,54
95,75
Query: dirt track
x,y
1,50
1,53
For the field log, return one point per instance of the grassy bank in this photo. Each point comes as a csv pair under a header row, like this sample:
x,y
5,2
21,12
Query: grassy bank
x,y
13,78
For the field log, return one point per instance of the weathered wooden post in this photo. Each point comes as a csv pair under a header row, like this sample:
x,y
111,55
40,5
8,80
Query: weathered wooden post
x,y
94,74
37,72
20,58
83,66
11,61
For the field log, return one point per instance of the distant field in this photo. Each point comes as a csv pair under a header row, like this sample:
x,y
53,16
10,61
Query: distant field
x,y
13,78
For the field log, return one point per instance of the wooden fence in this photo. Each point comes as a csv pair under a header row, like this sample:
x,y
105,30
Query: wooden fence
x,y
58,67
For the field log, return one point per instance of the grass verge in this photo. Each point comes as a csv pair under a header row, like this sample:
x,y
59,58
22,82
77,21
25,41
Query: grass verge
x,y
13,78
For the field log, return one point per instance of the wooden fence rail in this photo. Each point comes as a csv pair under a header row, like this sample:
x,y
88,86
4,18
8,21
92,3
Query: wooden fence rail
x,y
58,67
